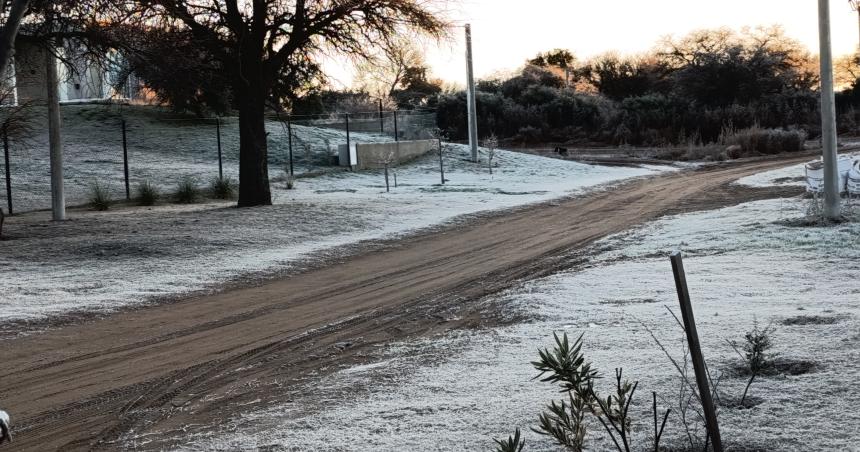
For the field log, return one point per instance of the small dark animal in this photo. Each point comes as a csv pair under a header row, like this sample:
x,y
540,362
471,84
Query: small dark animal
x,y
561,151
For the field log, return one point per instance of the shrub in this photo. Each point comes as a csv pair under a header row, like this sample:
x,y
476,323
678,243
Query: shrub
x,y
222,188
756,140
187,191
512,444
755,352
707,152
565,422
99,196
147,194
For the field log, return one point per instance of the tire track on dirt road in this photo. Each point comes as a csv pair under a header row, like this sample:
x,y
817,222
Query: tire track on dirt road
x,y
194,361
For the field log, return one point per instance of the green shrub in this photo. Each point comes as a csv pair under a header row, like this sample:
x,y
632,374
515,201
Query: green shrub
x,y
99,196
222,188
187,191
147,194
512,444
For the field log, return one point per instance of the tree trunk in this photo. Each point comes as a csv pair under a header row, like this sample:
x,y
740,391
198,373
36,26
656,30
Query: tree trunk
x,y
253,147
10,31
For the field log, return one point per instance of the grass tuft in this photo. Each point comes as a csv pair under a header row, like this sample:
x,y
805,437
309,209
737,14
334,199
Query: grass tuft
x,y
222,188
99,196
147,194
187,192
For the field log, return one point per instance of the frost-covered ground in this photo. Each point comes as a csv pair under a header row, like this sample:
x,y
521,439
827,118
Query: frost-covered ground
x,y
105,260
162,149
459,391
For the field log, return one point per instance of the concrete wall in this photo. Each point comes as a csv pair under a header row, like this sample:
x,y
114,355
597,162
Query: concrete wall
x,y
374,155
82,82
30,71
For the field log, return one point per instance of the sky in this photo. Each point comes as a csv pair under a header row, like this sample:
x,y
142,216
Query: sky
x,y
507,32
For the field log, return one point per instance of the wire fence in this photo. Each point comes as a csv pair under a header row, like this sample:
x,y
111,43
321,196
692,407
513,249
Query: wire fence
x,y
399,125
120,149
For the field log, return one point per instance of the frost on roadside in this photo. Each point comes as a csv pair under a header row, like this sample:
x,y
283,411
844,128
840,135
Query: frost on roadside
x,y
107,260
474,386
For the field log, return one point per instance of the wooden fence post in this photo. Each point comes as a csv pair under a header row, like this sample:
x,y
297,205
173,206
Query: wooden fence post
x,y
696,351
220,158
125,161
290,142
8,171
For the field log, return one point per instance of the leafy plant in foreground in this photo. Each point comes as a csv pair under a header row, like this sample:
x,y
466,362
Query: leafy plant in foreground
x,y
512,444
566,366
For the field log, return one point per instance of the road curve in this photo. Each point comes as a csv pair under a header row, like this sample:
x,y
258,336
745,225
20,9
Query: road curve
x,y
159,368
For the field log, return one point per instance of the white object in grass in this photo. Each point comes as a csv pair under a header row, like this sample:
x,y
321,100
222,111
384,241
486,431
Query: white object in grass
x,y
814,171
854,178
4,427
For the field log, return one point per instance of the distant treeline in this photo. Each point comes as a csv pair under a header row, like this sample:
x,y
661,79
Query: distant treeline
x,y
686,91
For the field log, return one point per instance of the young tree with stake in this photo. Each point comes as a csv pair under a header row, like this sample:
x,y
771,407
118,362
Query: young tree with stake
x,y
491,143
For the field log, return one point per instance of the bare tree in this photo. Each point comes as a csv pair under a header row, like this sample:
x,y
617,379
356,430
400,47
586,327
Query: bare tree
x,y
383,74
259,42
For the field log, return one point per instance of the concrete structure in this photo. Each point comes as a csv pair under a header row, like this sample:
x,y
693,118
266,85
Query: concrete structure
x,y
375,155
79,81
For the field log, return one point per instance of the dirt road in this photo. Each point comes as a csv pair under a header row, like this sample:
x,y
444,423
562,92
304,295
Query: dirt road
x,y
201,360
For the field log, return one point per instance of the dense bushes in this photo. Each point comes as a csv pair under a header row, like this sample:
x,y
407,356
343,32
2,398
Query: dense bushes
x,y
689,91
563,115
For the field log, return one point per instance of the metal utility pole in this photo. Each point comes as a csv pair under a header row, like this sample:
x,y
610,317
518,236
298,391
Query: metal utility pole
x,y
58,201
470,96
855,5
828,115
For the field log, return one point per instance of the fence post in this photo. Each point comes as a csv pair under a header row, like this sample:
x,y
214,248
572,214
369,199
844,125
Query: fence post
x,y
381,119
386,178
290,142
8,171
396,133
441,163
220,158
347,132
125,161
696,351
